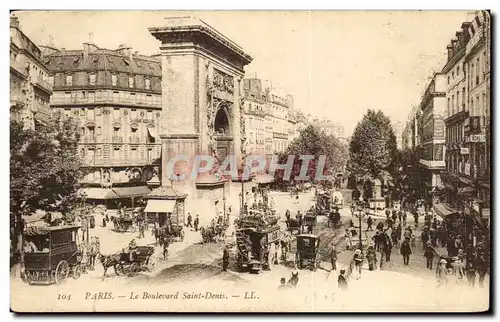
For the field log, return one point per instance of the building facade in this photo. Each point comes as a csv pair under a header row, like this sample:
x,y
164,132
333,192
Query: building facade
x,y
431,148
279,106
477,64
116,97
30,90
255,111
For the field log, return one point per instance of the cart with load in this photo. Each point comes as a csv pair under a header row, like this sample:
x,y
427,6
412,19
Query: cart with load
x,y
307,253
50,254
256,239
123,222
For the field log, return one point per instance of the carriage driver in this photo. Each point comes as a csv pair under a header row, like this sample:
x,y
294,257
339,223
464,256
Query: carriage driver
x,y
132,248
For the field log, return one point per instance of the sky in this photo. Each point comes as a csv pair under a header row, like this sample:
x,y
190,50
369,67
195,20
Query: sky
x,y
336,64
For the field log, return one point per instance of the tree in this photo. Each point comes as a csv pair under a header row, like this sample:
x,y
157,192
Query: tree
x,y
45,167
373,148
312,141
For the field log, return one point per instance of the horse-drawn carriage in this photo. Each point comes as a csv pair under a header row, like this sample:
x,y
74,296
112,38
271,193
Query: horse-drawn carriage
x,y
309,221
307,253
256,241
131,261
169,231
51,254
123,222
334,219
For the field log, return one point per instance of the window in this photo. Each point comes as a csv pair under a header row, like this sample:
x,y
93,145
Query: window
x,y
478,71
458,103
116,153
82,112
471,108
98,111
463,98
91,97
116,113
92,79
458,70
116,96
114,80
132,98
99,130
452,74
150,114
133,114
131,81
69,80
67,112
472,75
51,80
91,113
149,100
67,97
147,83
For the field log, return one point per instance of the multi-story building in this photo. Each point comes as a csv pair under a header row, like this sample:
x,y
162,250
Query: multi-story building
x,y
30,90
292,126
255,109
330,127
477,65
431,148
279,105
457,152
397,127
116,97
408,134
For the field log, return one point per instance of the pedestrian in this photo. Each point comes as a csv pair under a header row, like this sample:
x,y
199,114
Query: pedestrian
x,y
404,218
358,263
85,259
457,269
406,251
441,273
333,257
371,257
189,221
415,218
196,222
380,226
394,216
369,222
342,280
400,216
433,235
225,258
424,236
166,243
93,253
470,271
387,214
482,267
429,253
387,248
103,221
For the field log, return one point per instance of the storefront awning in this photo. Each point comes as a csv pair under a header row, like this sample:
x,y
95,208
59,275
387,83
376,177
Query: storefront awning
x,y
442,210
98,193
129,192
160,206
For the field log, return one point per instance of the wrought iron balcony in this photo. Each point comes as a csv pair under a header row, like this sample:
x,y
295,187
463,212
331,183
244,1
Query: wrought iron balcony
x,y
117,139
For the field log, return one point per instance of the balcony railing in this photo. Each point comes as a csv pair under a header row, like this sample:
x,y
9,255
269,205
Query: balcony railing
x,y
110,100
89,139
44,85
134,139
117,139
118,162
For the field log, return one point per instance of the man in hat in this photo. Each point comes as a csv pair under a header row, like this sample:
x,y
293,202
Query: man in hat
x,y
369,223
189,221
196,222
405,250
225,258
429,253
93,252
333,256
166,243
358,262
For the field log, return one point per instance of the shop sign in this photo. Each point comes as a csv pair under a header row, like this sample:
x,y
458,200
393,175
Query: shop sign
x,y
464,150
476,138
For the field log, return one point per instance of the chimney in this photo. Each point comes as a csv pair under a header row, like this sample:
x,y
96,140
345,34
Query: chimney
x,y
460,37
14,22
450,51
125,51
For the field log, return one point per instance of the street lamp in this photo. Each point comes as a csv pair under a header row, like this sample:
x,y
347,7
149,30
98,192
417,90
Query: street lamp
x,y
358,211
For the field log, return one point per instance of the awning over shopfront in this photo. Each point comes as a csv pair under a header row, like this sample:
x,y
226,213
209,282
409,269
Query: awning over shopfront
x,y
160,206
98,193
130,192
152,132
442,210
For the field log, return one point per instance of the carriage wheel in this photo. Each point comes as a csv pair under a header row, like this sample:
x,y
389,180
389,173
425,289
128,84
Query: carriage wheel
x,y
182,234
119,270
77,271
62,271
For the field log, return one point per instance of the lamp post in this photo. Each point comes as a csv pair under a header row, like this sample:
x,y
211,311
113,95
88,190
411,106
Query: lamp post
x,y
358,211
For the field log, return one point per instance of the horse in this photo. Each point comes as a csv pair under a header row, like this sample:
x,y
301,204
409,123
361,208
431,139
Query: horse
x,y
110,260
294,280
